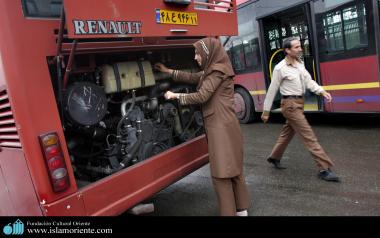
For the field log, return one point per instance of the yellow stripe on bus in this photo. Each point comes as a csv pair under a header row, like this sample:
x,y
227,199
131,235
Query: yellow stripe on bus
x,y
333,87
352,86
258,92
310,107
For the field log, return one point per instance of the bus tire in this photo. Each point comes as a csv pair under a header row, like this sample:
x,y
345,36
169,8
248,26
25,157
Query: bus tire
x,y
244,107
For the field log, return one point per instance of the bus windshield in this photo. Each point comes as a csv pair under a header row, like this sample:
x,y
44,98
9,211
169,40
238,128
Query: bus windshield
x,y
42,8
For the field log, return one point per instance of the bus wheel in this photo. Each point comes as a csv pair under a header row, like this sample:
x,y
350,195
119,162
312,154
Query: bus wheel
x,y
244,107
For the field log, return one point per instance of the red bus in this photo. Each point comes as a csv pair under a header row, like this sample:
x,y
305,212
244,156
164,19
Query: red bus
x,y
84,127
341,43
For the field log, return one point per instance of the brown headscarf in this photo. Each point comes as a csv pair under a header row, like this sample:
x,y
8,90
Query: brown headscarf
x,y
214,57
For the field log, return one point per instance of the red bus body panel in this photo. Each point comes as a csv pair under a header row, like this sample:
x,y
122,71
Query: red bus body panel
x,y
352,71
210,22
253,82
17,195
114,194
23,51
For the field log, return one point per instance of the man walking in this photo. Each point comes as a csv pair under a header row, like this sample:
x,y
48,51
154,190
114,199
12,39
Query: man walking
x,y
292,78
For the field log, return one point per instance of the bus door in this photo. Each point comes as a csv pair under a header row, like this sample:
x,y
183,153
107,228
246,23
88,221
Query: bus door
x,y
275,28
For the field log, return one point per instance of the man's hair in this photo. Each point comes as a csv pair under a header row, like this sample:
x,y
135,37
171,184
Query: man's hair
x,y
287,43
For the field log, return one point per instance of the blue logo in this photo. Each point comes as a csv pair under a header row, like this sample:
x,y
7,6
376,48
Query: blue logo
x,y
158,16
16,229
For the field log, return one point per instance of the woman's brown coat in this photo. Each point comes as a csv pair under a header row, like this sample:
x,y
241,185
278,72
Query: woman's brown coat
x,y
215,91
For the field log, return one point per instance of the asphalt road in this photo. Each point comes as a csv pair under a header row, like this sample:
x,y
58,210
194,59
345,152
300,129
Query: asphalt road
x,y
352,142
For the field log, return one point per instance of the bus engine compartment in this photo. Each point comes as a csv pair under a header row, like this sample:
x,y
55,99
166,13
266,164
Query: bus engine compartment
x,y
114,113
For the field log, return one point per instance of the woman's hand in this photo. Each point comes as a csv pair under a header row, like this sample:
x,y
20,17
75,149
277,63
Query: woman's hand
x,y
162,68
170,95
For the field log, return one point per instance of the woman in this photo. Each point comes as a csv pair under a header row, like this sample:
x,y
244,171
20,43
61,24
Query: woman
x,y
215,92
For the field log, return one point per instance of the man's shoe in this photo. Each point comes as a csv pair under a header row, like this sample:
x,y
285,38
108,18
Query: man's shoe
x,y
276,163
328,175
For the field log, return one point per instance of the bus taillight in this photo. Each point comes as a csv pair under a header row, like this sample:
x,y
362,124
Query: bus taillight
x,y
54,161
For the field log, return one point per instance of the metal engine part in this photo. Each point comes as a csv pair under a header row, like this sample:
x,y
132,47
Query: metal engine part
x,y
127,131
85,103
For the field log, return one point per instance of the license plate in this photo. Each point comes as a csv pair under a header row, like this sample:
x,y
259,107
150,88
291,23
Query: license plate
x,y
175,17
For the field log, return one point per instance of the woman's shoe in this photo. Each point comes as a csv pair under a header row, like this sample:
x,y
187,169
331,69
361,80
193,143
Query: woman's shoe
x,y
243,213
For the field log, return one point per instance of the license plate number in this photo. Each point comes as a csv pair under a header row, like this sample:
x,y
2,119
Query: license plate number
x,y
175,17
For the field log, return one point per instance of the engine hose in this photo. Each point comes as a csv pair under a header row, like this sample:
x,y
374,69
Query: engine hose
x,y
133,100
134,149
118,130
132,105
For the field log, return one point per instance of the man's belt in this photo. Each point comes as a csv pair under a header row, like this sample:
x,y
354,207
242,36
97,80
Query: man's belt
x,y
292,96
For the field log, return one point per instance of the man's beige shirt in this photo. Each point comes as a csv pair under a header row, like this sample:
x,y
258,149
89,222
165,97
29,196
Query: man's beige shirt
x,y
292,79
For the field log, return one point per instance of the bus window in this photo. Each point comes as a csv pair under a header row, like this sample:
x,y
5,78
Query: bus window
x,y
355,27
332,32
342,27
238,56
244,50
42,8
274,39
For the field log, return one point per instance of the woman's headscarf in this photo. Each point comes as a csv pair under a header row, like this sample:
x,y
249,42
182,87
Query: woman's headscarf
x,y
214,57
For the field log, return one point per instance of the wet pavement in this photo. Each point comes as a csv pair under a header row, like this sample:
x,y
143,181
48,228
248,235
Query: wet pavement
x,y
352,142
